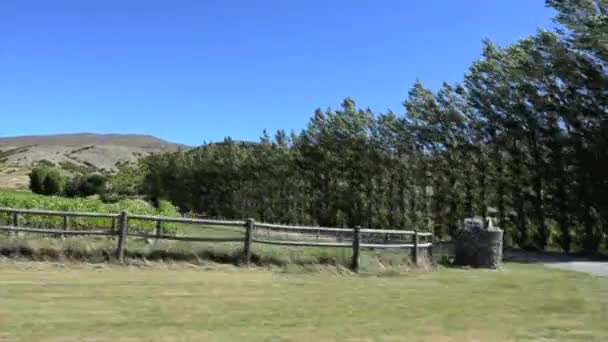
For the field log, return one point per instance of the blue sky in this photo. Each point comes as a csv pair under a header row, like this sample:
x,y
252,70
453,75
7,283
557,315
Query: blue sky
x,y
199,70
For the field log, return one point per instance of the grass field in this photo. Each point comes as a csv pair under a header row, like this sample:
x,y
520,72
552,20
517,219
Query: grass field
x,y
78,302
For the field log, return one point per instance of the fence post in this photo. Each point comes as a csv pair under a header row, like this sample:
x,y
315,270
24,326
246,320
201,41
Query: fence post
x,y
356,248
248,239
415,250
16,222
66,224
8,221
113,228
159,230
122,236
432,246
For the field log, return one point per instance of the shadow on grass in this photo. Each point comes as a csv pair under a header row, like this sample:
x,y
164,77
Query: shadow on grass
x,y
522,256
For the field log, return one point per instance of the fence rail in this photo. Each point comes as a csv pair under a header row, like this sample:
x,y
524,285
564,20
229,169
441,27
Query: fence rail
x,y
56,231
303,243
120,229
188,220
303,228
57,213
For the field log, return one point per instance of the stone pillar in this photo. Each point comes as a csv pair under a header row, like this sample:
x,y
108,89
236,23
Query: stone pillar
x,y
479,248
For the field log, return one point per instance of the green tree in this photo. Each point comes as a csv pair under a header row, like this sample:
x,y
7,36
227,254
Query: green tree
x,y
53,183
523,137
37,176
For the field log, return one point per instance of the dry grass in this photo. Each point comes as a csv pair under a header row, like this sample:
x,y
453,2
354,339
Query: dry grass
x,y
57,302
13,177
102,250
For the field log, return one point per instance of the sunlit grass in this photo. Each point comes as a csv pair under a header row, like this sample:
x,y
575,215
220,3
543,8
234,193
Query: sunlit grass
x,y
52,302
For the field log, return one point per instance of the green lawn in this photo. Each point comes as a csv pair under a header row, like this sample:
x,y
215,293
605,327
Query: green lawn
x,y
46,302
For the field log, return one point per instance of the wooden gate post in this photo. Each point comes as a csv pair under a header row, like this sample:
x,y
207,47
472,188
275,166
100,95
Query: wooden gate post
x,y
356,249
248,239
122,236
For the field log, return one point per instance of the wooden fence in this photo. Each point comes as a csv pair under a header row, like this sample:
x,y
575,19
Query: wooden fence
x,y
348,238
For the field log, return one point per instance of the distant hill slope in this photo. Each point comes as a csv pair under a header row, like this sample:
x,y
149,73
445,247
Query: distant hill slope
x,y
80,139
93,151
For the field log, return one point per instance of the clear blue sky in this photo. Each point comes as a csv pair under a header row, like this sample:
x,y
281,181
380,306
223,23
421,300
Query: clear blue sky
x,y
199,70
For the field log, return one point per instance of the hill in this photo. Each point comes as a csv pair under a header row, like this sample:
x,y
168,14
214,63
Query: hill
x,y
101,152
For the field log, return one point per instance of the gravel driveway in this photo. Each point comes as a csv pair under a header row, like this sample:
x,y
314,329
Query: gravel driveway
x,y
561,261
599,268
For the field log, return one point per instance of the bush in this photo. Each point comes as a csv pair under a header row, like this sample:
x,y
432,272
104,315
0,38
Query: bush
x,y
13,199
46,181
53,183
93,185
127,181
72,187
37,179
84,186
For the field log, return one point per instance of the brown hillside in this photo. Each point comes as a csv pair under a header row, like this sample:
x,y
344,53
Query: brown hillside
x,y
94,151
81,139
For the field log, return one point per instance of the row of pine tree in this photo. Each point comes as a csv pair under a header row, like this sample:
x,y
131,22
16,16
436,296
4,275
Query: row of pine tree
x,y
524,139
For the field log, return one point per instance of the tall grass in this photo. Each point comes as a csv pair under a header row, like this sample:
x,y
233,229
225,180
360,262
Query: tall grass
x,y
99,250
102,249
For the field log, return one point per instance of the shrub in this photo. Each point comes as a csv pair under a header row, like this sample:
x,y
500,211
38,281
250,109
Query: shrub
x,y
94,184
21,200
46,181
53,183
72,187
127,181
37,176
84,186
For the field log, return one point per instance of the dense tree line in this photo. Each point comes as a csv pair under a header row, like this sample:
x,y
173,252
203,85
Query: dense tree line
x,y
524,138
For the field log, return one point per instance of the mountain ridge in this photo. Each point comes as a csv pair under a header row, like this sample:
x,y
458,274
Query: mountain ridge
x,y
139,140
